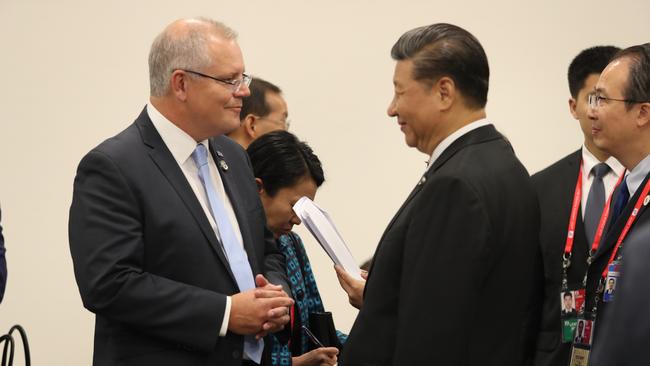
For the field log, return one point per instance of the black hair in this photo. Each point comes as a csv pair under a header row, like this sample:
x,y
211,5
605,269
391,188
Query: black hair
x,y
567,293
280,160
444,49
256,102
590,61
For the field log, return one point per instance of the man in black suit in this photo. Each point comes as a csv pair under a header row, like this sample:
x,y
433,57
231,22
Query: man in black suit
x,y
167,230
620,113
456,274
555,188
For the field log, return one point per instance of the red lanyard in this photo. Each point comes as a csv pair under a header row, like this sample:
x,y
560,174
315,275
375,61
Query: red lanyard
x,y
630,220
577,198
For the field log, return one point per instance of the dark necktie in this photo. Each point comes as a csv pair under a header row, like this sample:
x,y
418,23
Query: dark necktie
x,y
622,196
595,201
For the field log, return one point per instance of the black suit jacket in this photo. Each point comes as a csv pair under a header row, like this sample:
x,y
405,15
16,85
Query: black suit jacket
x,y
146,259
555,186
622,327
456,276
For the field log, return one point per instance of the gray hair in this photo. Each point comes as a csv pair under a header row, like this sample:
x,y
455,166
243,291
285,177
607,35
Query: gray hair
x,y
637,89
186,50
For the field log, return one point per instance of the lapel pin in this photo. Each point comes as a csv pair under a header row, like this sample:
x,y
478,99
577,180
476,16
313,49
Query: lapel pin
x,y
219,154
646,200
223,165
422,180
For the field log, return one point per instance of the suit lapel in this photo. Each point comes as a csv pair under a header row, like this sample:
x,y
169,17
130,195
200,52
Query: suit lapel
x,y
479,135
616,227
234,193
163,158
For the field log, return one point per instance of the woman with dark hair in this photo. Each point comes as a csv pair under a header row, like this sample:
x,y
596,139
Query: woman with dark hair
x,y
285,170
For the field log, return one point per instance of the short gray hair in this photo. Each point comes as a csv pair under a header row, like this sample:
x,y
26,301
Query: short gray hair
x,y
188,50
637,89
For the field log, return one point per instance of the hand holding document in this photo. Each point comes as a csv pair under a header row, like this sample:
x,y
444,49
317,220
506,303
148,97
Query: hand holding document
x,y
319,223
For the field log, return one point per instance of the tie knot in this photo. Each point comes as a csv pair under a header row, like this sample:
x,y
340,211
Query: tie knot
x,y
200,155
599,170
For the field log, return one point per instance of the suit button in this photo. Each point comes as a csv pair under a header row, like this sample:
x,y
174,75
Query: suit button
x,y
236,354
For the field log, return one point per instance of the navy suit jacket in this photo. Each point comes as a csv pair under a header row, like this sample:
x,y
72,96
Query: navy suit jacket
x,y
456,278
622,328
146,259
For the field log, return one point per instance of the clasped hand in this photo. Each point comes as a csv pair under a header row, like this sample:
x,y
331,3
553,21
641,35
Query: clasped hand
x,y
260,310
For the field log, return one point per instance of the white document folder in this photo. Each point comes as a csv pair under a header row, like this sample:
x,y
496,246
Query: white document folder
x,y
319,223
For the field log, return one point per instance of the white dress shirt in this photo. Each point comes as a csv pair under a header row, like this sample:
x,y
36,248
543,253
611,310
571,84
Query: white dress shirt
x,y
637,175
609,180
182,145
444,144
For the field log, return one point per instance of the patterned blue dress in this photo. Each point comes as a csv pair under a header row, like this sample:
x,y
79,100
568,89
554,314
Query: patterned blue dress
x,y
304,291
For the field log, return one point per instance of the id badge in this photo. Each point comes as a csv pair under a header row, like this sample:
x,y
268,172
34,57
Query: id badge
x,y
613,273
582,341
572,304
579,356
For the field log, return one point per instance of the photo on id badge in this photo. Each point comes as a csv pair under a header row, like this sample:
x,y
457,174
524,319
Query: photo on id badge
x,y
571,304
584,330
611,281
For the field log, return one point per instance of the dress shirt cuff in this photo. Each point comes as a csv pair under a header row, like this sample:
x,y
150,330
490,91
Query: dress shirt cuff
x,y
226,318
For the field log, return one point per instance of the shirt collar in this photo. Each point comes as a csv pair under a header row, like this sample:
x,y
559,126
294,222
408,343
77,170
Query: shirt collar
x,y
637,175
589,161
179,143
445,143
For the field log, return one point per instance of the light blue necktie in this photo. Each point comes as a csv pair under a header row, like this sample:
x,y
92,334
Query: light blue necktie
x,y
235,253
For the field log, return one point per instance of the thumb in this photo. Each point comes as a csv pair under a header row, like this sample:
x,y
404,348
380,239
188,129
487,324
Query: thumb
x,y
261,281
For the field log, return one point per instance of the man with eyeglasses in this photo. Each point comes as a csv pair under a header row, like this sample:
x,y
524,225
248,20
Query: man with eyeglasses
x,y
262,112
620,115
557,188
168,239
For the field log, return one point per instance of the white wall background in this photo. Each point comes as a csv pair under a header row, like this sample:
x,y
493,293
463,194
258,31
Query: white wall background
x,y
75,72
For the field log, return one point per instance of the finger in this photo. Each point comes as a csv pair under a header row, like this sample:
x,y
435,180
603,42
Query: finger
x,y
268,293
272,326
278,312
364,274
261,281
277,302
330,351
261,335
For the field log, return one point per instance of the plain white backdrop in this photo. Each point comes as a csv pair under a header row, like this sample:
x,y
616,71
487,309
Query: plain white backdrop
x,y
75,72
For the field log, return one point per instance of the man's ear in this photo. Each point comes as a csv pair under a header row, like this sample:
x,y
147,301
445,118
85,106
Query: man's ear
x,y
249,123
446,89
178,84
260,185
643,117
572,107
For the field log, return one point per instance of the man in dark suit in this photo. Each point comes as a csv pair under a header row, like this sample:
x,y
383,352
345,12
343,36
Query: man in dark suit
x,y
620,113
167,230
456,275
555,188
3,264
